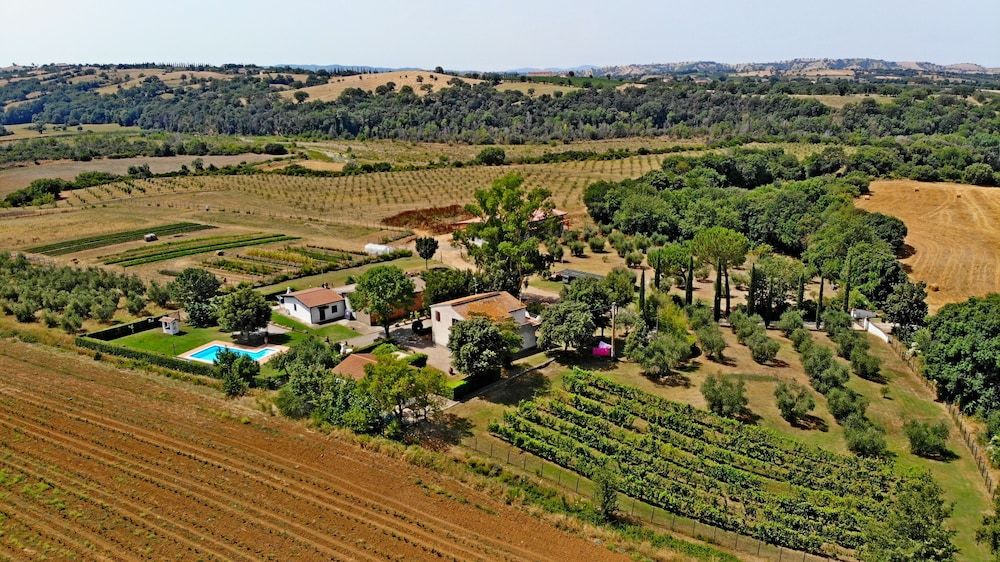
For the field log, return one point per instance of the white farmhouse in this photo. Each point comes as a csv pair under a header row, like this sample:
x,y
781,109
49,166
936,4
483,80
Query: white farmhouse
x,y
313,306
496,305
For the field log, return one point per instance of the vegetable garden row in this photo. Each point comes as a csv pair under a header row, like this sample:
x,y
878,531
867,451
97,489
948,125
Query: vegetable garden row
x,y
172,250
733,476
100,241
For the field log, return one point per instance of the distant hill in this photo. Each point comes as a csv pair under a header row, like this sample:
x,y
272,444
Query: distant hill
x,y
794,67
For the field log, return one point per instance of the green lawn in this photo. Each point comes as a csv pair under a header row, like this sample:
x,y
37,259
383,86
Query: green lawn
x,y
336,332
155,341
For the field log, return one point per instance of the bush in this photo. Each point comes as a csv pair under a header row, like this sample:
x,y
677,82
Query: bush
x,y
866,365
576,248
725,396
834,321
712,342
634,259
605,494
762,348
816,359
596,244
794,401
790,321
801,339
848,340
274,149
926,439
844,403
492,156
834,376
864,437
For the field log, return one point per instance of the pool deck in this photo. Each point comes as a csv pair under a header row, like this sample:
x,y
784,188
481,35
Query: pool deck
x,y
189,355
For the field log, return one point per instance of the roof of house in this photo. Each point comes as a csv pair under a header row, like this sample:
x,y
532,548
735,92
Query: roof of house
x,y
317,296
577,274
353,366
168,319
498,305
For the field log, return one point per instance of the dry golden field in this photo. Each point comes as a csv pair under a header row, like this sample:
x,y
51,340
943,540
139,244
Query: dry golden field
x,y
18,176
538,88
22,132
412,78
954,232
838,102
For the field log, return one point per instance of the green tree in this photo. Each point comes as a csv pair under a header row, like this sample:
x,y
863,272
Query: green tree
x,y
720,247
725,396
962,353
395,385
605,494
492,156
927,439
381,291
864,437
426,248
300,96
237,372
872,269
505,243
158,294
481,348
794,401
913,527
445,284
989,531
243,310
661,354
567,323
594,293
620,283
906,306
193,285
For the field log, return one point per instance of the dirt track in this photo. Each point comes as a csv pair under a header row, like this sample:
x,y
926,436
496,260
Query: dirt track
x,y
101,464
954,231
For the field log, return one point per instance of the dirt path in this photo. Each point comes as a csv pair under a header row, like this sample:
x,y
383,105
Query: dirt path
x,y
155,468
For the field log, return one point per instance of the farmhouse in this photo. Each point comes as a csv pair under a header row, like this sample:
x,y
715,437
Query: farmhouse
x,y
498,305
313,306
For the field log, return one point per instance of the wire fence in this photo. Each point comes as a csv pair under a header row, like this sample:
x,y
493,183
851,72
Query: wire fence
x,y
969,435
653,516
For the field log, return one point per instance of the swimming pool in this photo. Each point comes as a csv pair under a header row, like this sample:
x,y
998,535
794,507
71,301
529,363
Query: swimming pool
x,y
209,354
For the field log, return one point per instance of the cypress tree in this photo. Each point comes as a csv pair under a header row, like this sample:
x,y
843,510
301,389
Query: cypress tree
x,y
689,283
801,292
752,292
717,301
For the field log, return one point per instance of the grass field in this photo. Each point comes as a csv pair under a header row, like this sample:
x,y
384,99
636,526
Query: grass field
x,y
92,242
412,78
539,88
954,233
20,176
335,332
225,480
23,132
838,102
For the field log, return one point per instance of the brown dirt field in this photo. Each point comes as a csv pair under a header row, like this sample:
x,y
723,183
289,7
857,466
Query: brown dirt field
x,y
540,88
332,89
954,231
436,220
138,467
20,176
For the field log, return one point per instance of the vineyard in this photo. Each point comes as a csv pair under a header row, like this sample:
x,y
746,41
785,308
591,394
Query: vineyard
x,y
101,464
273,265
361,199
92,242
173,250
720,472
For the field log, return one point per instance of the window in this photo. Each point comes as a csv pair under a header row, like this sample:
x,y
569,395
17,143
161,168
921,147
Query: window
x,y
437,315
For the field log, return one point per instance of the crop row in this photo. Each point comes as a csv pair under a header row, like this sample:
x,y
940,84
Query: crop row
x,y
740,478
91,242
177,252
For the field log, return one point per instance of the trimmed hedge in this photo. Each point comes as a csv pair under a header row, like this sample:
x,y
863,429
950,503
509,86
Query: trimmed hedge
x,y
123,330
467,387
202,369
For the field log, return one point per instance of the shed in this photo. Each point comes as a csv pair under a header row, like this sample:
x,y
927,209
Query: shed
x,y
171,325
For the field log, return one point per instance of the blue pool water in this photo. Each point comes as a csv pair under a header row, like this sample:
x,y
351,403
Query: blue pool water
x,y
208,354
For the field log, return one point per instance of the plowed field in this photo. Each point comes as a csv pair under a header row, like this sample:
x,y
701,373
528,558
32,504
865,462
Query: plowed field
x,y
954,233
102,464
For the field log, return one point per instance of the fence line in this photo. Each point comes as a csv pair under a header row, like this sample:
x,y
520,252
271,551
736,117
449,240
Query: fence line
x,y
968,435
652,515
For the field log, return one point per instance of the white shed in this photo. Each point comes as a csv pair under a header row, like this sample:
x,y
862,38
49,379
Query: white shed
x,y
171,325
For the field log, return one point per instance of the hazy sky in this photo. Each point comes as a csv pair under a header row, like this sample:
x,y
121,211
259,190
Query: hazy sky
x,y
496,35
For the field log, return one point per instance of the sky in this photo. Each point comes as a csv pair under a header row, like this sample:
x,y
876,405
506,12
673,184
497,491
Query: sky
x,y
478,35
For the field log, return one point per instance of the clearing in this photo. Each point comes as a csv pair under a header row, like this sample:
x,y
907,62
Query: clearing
x,y
187,475
368,82
954,235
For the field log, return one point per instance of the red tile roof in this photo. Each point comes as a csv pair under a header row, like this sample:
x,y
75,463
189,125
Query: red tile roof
x,y
317,296
353,366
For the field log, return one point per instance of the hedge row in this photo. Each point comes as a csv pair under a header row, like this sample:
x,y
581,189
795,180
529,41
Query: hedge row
x,y
202,369
122,330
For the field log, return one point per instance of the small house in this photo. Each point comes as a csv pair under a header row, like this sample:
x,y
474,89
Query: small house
x,y
497,305
171,325
313,306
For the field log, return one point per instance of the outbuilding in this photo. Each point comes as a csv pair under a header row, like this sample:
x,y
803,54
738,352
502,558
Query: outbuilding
x,y
313,306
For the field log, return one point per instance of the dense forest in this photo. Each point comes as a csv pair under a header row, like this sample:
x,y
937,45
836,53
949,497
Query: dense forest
x,y
248,105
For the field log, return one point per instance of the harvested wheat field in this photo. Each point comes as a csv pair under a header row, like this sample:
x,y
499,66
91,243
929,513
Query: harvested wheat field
x,y
101,464
954,232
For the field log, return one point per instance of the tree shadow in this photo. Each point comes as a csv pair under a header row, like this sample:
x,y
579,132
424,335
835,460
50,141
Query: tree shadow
x,y
945,455
747,416
810,422
440,432
525,387
672,379
906,251
780,364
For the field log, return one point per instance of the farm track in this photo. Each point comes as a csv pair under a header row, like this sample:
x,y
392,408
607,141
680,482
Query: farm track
x,y
203,488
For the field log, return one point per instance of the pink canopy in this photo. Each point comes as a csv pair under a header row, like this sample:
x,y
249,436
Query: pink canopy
x,y
602,349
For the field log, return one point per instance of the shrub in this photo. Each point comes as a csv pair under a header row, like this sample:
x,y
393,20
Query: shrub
x,y
762,348
634,259
866,365
576,248
70,323
790,321
712,342
237,371
605,495
816,359
700,316
794,401
835,321
24,311
927,439
834,376
848,340
844,403
801,339
725,396
274,149
864,437
596,244
491,156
